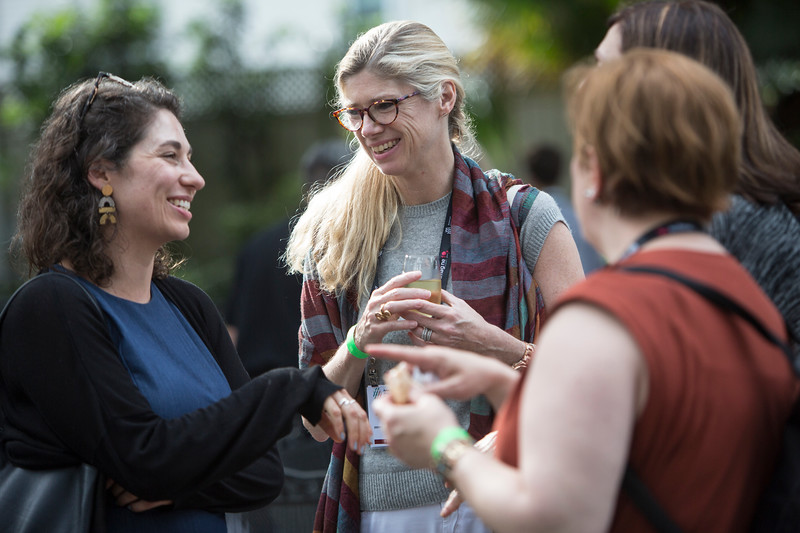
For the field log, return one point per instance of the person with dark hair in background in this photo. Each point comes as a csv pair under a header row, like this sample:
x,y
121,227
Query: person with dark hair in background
x,y
263,316
762,226
107,359
543,163
263,307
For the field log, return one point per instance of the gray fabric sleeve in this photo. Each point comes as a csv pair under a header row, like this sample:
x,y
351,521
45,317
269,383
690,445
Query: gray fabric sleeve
x,y
543,215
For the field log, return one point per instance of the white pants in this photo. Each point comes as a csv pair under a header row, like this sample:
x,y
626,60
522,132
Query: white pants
x,y
422,520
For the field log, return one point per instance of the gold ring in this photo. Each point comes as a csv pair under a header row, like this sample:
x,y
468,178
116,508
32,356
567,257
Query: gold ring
x,y
383,314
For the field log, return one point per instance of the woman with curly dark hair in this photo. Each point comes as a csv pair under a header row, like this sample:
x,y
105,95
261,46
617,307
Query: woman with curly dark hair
x,y
106,359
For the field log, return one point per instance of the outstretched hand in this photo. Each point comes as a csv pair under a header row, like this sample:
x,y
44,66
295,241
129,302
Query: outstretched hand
x,y
462,375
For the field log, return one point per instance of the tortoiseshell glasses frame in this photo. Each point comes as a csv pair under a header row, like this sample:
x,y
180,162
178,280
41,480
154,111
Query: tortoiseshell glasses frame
x,y
382,112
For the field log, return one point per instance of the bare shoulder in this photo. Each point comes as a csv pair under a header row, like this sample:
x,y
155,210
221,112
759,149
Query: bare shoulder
x,y
583,341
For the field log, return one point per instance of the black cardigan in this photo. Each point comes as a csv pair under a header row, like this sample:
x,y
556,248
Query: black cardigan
x,y
67,398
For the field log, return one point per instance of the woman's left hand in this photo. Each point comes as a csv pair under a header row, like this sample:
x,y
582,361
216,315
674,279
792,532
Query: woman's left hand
x,y
410,428
457,325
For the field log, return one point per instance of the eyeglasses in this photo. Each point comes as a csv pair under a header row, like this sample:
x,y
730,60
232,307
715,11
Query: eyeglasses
x,y
383,112
100,77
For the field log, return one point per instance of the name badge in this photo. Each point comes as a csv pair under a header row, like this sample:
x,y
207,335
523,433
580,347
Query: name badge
x,y
373,393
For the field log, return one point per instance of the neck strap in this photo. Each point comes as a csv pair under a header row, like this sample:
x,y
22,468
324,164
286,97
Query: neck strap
x,y
667,228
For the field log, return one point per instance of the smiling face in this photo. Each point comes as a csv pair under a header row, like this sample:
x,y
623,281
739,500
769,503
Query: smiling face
x,y
154,189
418,136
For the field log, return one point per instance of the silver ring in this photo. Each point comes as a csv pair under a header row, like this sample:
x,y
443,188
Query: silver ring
x,y
346,401
426,334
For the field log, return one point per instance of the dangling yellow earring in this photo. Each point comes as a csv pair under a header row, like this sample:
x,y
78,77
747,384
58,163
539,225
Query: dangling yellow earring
x,y
107,207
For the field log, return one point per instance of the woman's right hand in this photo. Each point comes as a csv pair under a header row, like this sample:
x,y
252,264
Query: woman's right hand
x,y
380,317
389,301
343,418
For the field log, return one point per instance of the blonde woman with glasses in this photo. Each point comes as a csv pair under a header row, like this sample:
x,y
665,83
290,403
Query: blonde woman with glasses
x,y
504,256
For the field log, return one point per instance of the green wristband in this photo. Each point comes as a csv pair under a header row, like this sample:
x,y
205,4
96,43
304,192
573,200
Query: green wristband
x,y
351,345
446,436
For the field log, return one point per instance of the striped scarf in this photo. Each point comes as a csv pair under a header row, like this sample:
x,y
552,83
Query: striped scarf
x,y
488,272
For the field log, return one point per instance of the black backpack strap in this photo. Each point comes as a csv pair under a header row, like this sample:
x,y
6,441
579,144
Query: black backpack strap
x,y
641,496
633,485
722,301
14,295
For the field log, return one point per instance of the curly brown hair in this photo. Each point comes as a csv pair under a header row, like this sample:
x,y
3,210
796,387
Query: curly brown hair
x,y
57,217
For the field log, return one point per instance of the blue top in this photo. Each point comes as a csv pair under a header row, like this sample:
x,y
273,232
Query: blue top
x,y
176,373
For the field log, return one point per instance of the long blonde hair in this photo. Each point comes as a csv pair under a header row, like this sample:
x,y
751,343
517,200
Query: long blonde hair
x,y
348,220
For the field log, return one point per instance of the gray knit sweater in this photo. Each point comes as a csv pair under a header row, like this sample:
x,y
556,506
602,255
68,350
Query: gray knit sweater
x,y
766,241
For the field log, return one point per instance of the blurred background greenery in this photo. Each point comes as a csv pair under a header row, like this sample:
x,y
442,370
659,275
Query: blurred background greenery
x,y
249,126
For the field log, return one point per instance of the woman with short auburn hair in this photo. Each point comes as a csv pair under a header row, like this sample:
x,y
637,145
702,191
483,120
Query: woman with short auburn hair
x,y
633,369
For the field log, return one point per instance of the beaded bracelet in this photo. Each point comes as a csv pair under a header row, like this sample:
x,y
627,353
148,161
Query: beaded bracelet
x,y
351,345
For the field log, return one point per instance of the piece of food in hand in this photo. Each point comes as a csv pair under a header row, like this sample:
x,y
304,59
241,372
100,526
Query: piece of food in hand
x,y
399,381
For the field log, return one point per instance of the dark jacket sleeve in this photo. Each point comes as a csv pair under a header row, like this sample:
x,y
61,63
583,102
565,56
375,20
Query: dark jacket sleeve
x,y
260,482
67,397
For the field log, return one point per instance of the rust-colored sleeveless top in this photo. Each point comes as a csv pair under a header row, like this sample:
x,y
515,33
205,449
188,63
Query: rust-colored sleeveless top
x,y
719,393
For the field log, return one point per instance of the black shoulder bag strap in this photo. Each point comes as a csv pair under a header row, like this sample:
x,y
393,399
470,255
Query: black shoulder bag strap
x,y
61,500
49,273
633,485
19,289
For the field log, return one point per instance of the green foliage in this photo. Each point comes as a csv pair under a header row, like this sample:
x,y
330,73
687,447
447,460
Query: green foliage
x,y
57,48
532,41
528,45
217,51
